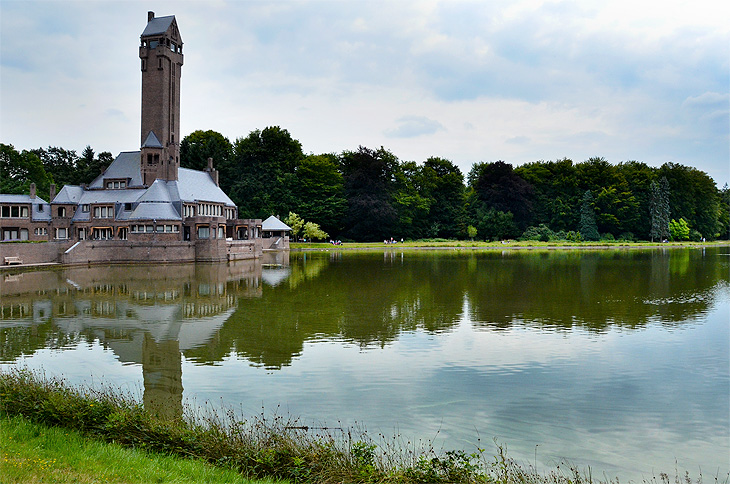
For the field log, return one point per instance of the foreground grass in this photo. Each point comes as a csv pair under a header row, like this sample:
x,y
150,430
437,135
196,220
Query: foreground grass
x,y
37,453
51,432
514,244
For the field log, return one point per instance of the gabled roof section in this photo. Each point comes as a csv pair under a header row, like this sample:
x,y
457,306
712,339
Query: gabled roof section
x,y
155,211
152,141
69,194
159,25
157,192
274,224
194,185
6,198
111,196
125,165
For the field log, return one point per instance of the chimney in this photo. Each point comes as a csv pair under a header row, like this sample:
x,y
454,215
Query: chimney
x,y
52,193
212,171
32,191
150,16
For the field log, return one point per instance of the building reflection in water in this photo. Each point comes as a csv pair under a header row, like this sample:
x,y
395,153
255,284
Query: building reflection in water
x,y
146,315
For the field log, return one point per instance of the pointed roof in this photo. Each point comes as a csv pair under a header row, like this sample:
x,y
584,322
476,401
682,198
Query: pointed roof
x,y
274,224
126,165
157,192
158,25
152,141
69,194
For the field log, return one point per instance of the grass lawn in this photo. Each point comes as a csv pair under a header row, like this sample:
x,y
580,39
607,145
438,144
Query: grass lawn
x,y
35,453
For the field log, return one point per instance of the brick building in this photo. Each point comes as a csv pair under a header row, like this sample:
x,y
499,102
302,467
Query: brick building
x,y
143,201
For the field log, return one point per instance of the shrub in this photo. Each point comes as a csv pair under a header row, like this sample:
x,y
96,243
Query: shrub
x,y
542,233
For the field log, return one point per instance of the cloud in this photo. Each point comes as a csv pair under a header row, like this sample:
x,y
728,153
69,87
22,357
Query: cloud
x,y
518,140
516,80
413,126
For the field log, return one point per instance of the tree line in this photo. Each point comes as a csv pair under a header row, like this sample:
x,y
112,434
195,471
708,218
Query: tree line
x,y
370,195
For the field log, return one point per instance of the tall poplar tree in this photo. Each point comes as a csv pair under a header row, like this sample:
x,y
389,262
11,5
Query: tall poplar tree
x,y
659,209
588,227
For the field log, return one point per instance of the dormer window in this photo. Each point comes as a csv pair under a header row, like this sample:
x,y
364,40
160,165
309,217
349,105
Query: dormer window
x,y
116,184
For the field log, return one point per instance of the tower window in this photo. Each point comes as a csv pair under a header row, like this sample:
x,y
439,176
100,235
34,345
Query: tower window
x,y
159,63
144,64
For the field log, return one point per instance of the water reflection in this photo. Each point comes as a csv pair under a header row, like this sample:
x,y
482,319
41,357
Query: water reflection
x,y
618,358
366,298
151,315
146,315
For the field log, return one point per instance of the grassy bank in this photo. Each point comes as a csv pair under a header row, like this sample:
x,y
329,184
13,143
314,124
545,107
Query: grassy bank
x,y
512,244
52,432
36,453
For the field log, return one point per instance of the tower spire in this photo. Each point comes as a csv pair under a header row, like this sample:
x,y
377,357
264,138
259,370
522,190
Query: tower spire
x,y
160,52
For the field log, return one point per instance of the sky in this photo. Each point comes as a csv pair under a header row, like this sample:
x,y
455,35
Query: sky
x,y
470,81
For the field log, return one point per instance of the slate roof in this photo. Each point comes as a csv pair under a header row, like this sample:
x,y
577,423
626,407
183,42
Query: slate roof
x,y
158,25
69,194
157,192
7,198
124,166
112,196
155,211
152,141
161,201
274,224
39,210
194,185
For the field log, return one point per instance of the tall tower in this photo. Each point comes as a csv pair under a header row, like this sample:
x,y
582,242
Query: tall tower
x,y
162,59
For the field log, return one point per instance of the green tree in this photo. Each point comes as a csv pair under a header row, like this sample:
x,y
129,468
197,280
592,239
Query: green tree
x,y
443,186
370,187
19,169
659,209
60,164
679,229
471,231
500,189
296,223
588,228
557,197
198,146
319,192
264,164
410,202
313,232
723,213
90,166
638,176
693,197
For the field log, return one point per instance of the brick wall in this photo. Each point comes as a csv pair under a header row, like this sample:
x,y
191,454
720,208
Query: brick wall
x,y
34,253
102,251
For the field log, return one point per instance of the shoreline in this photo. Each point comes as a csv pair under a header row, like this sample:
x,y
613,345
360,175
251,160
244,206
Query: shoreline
x,y
466,245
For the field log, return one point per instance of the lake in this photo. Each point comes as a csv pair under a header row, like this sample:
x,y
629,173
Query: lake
x,y
617,360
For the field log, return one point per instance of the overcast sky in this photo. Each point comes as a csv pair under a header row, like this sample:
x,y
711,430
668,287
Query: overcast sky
x,y
517,81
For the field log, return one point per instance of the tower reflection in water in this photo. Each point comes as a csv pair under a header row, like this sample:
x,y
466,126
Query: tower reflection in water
x,y
146,315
